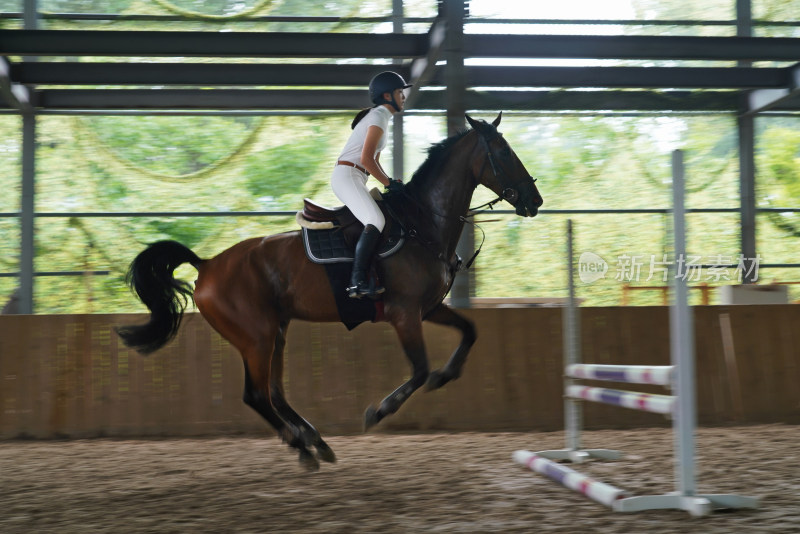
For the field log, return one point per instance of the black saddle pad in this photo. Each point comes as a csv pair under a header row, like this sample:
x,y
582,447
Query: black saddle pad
x,y
331,249
352,312
330,246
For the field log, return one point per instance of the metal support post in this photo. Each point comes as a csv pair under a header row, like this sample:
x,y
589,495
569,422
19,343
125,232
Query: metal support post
x,y
27,207
398,134
27,201
455,81
747,172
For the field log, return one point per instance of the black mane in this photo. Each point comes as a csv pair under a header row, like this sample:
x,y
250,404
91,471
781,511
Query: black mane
x,y
437,153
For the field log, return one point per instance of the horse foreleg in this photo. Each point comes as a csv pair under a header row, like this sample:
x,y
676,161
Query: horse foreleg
x,y
410,334
310,435
446,316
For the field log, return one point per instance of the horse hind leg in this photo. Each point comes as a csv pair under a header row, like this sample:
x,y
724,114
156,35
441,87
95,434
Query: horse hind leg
x,y
257,395
445,316
311,437
253,330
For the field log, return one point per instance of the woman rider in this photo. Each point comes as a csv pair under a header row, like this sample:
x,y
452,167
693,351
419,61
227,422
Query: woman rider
x,y
360,158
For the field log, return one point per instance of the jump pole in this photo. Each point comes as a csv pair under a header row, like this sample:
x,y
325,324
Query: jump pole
x,y
682,406
597,491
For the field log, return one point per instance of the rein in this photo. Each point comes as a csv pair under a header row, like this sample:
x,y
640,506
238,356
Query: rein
x,y
430,245
413,233
478,251
484,207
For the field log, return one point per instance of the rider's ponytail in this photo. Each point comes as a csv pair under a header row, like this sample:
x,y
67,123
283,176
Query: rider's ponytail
x,y
361,115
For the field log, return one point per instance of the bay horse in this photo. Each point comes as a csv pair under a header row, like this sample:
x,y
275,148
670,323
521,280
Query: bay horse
x,y
250,292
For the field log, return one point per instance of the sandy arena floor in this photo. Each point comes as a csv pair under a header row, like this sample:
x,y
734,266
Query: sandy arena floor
x,y
385,483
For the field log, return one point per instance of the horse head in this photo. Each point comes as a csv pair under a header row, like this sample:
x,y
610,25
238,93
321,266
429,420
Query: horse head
x,y
498,168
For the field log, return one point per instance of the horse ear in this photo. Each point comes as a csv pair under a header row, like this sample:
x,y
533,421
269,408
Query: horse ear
x,y
496,122
472,122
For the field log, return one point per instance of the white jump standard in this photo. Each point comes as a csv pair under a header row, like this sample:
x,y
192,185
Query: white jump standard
x,y
681,406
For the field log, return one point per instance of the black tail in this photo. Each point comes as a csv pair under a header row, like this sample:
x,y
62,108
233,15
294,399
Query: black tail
x,y
151,277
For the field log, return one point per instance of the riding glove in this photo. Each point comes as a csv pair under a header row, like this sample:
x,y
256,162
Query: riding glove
x,y
394,185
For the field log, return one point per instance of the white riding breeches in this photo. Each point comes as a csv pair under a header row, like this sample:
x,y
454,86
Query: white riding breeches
x,y
350,186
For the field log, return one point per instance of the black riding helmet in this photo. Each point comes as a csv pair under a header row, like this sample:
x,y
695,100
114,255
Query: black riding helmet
x,y
386,82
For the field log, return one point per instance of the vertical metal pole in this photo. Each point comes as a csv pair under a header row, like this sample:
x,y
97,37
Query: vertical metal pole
x,y
30,14
27,201
682,343
573,413
747,172
454,71
744,19
26,263
398,147
747,194
398,134
455,86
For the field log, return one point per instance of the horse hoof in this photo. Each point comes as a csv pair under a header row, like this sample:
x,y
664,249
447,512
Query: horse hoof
x,y
370,418
436,379
325,453
307,461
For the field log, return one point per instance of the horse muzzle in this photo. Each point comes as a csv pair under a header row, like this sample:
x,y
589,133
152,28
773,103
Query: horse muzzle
x,y
522,203
528,204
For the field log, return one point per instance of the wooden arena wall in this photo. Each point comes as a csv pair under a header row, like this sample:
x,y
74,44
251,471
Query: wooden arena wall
x,y
70,376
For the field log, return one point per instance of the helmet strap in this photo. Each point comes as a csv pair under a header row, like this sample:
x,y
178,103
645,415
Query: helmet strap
x,y
393,102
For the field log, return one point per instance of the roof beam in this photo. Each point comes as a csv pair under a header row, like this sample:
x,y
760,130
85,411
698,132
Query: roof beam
x,y
232,74
210,44
203,74
390,45
14,94
633,47
111,100
764,99
707,101
635,77
199,99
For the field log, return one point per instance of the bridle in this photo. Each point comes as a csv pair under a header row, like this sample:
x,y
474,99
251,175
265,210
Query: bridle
x,y
509,191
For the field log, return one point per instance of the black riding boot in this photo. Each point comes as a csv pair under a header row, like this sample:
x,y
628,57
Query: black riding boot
x,y
359,285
